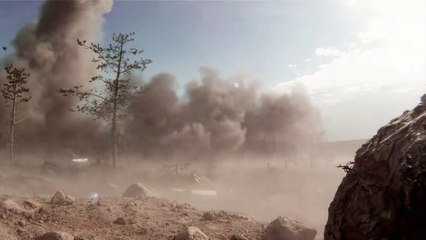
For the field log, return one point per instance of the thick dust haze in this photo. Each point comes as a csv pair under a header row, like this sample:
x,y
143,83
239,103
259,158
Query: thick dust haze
x,y
218,117
248,133
215,116
47,49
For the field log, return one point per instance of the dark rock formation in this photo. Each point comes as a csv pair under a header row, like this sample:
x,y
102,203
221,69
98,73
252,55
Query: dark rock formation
x,y
383,196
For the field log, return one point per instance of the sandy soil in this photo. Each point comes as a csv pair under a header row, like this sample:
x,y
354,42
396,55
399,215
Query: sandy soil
x,y
144,218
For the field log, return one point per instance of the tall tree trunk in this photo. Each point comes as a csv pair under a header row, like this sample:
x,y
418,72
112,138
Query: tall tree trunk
x,y
114,134
12,130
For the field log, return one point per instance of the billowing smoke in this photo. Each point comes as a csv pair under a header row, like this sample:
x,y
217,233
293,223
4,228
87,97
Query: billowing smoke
x,y
49,52
217,117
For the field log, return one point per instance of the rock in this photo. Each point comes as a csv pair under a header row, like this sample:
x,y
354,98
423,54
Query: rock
x,y
191,233
139,190
120,221
24,234
237,237
32,204
60,198
21,223
208,216
287,229
142,231
56,236
383,195
10,205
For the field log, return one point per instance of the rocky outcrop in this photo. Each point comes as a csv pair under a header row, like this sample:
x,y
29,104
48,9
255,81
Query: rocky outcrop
x,y
288,229
383,195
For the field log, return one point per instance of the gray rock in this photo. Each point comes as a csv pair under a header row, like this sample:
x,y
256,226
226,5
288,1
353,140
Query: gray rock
x,y
56,236
12,206
60,198
208,216
383,196
139,190
191,233
120,221
32,204
21,223
288,229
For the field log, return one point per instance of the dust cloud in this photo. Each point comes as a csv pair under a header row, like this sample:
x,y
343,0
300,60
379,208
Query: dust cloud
x,y
256,152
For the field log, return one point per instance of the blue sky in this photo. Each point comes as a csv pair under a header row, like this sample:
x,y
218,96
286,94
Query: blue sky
x,y
258,38
362,62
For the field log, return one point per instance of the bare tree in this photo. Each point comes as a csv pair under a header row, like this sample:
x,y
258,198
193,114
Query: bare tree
x,y
15,92
108,99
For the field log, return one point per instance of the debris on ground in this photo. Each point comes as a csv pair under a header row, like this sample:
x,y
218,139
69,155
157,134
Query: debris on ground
x,y
60,198
191,233
288,229
139,190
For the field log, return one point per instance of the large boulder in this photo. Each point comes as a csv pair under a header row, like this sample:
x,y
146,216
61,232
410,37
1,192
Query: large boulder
x,y
191,233
383,195
139,190
288,229
56,236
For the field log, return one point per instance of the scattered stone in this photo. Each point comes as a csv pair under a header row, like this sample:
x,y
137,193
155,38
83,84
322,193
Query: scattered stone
x,y
139,190
32,204
191,233
10,205
60,198
56,236
237,237
24,234
120,221
142,231
208,216
286,229
238,216
22,223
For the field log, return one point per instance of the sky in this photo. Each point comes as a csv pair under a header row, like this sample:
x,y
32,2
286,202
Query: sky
x,y
361,62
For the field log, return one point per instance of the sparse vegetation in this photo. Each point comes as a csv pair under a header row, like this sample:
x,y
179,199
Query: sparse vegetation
x,y
347,167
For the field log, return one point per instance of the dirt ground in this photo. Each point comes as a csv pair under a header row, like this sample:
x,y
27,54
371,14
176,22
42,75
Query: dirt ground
x,y
256,190
144,218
